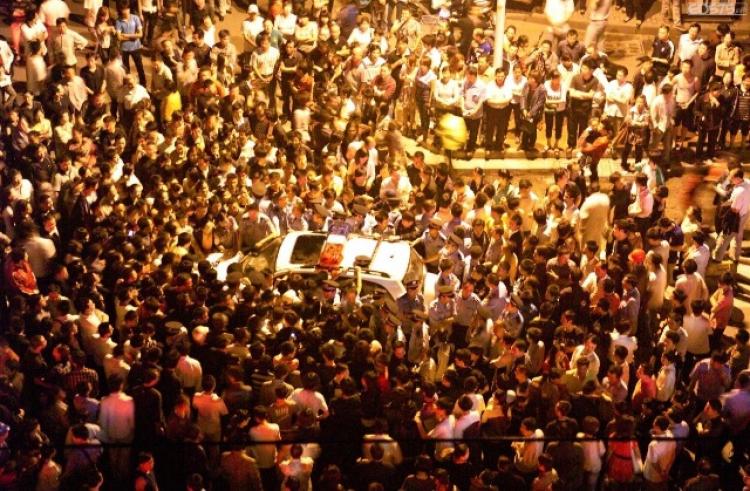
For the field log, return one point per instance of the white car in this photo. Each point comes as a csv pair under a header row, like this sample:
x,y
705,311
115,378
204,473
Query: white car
x,y
388,264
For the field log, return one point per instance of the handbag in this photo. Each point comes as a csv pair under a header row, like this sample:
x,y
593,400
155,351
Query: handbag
x,y
527,126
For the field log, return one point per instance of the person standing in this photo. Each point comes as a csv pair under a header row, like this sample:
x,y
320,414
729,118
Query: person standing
x,y
708,115
581,93
64,44
145,480
637,123
472,100
662,52
497,113
686,87
554,110
619,96
117,422
532,106
266,453
130,31
660,455
739,205
675,7
663,110
598,19
741,114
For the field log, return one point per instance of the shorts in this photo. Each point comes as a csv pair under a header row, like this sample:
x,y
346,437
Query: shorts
x,y
684,117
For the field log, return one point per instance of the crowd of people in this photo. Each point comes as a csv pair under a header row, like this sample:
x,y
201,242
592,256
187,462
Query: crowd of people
x,y
578,339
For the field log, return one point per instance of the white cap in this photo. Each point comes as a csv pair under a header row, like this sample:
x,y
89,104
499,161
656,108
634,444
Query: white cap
x,y
252,9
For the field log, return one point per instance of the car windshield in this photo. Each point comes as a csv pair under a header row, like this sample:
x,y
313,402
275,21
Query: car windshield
x,y
307,252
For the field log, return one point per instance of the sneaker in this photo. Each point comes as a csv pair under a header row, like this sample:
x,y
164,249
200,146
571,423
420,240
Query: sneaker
x,y
638,24
627,19
569,153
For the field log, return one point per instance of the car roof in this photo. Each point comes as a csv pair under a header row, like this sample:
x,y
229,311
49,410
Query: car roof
x,y
389,258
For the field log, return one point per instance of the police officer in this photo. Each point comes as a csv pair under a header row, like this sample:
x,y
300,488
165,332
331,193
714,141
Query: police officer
x,y
431,243
452,251
442,310
254,227
419,339
411,300
467,305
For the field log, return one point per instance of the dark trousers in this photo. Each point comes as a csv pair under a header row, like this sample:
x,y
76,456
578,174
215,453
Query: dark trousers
x,y
287,98
528,138
495,127
577,122
636,8
626,154
149,19
137,60
473,126
703,135
270,478
515,109
421,98
554,120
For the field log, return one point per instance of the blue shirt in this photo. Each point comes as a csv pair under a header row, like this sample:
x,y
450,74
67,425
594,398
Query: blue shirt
x,y
130,26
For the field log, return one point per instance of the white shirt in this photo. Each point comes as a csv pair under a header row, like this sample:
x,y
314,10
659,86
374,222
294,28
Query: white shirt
x,y
286,24
189,372
210,408
740,198
657,285
618,97
701,255
51,10
251,29
464,422
663,112
496,96
117,418
309,399
593,451
665,383
698,329
265,62
686,47
661,453
265,455
448,93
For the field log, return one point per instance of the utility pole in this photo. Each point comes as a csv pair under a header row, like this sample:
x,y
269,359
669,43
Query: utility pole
x,y
497,61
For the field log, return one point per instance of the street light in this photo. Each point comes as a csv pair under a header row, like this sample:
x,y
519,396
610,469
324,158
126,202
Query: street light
x,y
497,61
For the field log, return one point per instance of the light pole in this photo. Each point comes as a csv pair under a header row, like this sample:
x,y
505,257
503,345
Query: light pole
x,y
497,61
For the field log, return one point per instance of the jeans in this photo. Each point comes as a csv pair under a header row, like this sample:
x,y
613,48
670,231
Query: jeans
x,y
137,60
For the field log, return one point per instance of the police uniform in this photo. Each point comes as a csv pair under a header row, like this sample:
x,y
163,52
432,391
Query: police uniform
x,y
432,246
407,305
439,312
253,232
419,340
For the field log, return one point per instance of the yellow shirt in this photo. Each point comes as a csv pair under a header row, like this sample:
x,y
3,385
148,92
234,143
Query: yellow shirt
x,y
172,103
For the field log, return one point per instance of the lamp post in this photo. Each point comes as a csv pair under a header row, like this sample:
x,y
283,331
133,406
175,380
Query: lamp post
x,y
497,61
